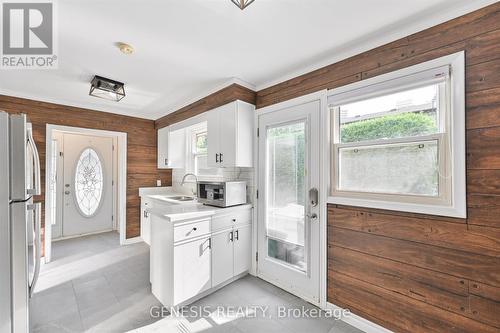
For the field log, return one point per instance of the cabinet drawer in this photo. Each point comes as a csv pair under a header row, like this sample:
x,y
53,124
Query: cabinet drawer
x,y
221,222
191,229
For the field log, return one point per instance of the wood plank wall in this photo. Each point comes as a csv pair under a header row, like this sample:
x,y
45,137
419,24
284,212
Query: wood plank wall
x,y
410,272
141,144
226,95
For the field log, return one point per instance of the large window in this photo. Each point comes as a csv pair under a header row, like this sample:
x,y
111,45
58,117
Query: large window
x,y
398,140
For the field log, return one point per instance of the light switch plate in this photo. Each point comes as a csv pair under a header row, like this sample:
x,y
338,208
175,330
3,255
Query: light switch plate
x,y
158,182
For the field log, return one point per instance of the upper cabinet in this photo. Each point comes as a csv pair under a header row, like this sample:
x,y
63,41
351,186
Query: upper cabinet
x,y
171,148
163,148
230,132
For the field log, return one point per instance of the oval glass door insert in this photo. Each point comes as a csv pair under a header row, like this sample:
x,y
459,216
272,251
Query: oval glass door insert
x,y
89,181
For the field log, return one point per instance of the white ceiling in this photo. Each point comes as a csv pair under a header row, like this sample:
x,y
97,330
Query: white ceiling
x,y
188,48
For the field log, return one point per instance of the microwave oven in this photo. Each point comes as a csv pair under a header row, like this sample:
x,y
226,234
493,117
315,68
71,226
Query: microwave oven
x,y
222,194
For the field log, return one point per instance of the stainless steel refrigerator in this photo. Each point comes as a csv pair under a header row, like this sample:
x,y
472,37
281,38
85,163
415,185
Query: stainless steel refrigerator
x,y
19,221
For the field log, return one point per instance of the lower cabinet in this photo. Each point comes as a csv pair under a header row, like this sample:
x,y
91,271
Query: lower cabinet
x,y
222,257
191,269
242,260
231,253
146,222
191,257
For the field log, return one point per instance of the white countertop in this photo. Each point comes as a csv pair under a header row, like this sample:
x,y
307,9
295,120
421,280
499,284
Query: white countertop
x,y
175,211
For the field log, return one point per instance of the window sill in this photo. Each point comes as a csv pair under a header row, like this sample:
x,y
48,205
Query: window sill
x,y
458,211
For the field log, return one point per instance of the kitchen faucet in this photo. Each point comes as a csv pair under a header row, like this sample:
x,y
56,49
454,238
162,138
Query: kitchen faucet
x,y
184,180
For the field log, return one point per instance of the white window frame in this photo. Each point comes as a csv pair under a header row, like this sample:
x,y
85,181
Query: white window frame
x,y
451,138
192,132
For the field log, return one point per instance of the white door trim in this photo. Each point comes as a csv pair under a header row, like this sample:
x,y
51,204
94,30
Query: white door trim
x,y
121,189
320,96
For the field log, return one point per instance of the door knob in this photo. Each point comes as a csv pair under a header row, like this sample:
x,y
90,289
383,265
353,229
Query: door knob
x,y
312,216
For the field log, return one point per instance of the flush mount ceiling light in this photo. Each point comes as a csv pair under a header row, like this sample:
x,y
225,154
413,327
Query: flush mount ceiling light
x,y
242,4
106,88
125,48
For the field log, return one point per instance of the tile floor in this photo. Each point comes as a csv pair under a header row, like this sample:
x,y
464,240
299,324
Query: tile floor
x,y
95,285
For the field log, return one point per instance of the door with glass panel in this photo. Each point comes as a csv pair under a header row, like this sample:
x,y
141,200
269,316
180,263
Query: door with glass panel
x,y
88,184
288,209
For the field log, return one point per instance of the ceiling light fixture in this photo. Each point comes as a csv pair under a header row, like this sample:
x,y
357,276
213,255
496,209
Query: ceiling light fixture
x,y
242,4
125,48
106,88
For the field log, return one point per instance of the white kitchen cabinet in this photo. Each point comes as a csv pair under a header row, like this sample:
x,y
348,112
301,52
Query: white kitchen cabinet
x,y
162,145
192,256
146,221
171,148
180,259
222,257
230,130
191,269
231,253
242,257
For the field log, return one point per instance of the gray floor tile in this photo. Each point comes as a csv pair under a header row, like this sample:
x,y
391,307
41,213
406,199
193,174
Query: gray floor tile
x,y
69,323
53,305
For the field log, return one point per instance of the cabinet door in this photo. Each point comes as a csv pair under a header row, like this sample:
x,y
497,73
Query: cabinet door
x,y
145,225
213,139
227,132
242,249
177,148
245,118
163,148
222,257
191,269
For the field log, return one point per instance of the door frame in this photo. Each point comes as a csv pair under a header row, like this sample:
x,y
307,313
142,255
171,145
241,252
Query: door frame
x,y
324,177
120,158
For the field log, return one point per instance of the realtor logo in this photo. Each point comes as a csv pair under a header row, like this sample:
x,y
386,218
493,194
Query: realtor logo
x,y
28,35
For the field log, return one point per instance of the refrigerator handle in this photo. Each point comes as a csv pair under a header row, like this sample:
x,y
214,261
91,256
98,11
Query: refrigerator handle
x,y
36,190
37,247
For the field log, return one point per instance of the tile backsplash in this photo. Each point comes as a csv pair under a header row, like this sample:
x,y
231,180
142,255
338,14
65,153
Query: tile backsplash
x,y
224,174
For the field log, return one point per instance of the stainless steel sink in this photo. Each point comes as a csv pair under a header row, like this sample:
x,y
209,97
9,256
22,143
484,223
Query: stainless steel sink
x,y
182,198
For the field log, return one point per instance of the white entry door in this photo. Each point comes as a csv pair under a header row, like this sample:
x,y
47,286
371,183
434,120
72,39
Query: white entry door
x,y
88,184
288,182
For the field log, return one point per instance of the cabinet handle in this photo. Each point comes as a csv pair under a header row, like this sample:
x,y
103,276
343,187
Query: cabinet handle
x,y
166,162
231,236
237,234
216,158
145,214
194,229
210,243
220,158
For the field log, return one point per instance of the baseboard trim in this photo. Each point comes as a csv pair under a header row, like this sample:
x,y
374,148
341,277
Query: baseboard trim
x,y
133,240
359,322
82,235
